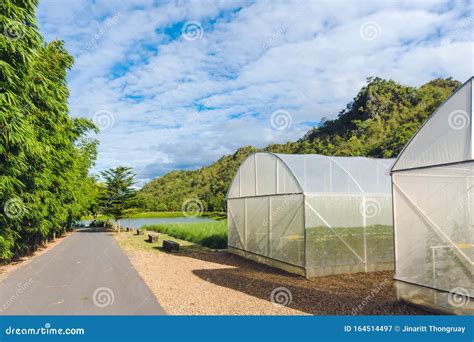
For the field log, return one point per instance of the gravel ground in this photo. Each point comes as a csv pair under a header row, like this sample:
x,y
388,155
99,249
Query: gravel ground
x,y
201,282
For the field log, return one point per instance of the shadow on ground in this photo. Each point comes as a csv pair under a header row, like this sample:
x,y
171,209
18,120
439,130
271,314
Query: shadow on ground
x,y
345,294
94,230
183,250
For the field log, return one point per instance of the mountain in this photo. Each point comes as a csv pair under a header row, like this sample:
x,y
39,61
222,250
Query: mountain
x,y
378,122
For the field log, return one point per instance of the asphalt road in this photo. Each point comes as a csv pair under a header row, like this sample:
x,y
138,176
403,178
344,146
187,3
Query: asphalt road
x,y
86,274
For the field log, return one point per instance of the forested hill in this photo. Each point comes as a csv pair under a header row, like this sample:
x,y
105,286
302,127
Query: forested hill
x,y
378,122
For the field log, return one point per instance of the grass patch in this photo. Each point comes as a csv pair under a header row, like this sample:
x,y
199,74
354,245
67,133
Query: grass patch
x,y
208,234
133,242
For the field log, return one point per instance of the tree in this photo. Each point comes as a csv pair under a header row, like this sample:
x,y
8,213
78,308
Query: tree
x,y
96,193
118,194
45,155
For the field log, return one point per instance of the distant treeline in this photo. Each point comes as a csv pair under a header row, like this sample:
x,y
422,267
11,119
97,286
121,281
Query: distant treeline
x,y
378,122
44,155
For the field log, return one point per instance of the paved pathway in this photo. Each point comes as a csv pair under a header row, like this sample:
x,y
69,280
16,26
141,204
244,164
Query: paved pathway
x,y
86,274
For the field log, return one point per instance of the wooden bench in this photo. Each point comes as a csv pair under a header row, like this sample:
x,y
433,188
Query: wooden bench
x,y
153,237
140,232
170,246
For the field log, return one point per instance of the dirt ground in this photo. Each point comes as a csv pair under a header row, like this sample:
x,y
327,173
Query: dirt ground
x,y
202,282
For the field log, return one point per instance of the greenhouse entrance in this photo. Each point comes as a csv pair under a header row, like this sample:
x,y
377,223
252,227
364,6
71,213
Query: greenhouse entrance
x,y
312,215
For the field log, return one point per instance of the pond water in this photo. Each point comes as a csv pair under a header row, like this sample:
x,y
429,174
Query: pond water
x,y
140,222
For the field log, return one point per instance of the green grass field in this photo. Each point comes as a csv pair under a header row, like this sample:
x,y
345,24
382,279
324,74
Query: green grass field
x,y
208,234
214,235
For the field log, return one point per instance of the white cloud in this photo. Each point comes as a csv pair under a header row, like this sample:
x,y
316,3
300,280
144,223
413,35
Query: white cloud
x,y
183,104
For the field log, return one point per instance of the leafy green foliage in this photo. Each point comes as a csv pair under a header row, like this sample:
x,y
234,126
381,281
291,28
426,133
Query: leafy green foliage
x,y
118,193
44,154
378,122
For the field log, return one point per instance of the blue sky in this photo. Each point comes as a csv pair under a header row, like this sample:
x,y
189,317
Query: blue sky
x,y
176,84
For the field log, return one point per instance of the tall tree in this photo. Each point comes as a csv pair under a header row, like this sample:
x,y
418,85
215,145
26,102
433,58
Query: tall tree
x,y
45,155
118,193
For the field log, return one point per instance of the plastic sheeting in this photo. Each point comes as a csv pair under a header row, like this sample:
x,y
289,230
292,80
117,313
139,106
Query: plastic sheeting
x,y
446,137
434,236
267,174
433,199
324,214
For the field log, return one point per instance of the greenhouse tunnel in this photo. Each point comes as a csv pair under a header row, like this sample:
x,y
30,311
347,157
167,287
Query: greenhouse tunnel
x,y
311,214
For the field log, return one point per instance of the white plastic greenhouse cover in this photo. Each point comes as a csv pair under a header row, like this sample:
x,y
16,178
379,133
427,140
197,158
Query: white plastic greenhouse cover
x,y
269,173
433,202
447,137
314,215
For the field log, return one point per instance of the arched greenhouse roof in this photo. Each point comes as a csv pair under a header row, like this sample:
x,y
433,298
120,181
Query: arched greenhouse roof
x,y
446,137
272,174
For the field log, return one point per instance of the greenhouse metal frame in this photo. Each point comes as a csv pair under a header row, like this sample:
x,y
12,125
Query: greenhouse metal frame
x,y
433,196
312,215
